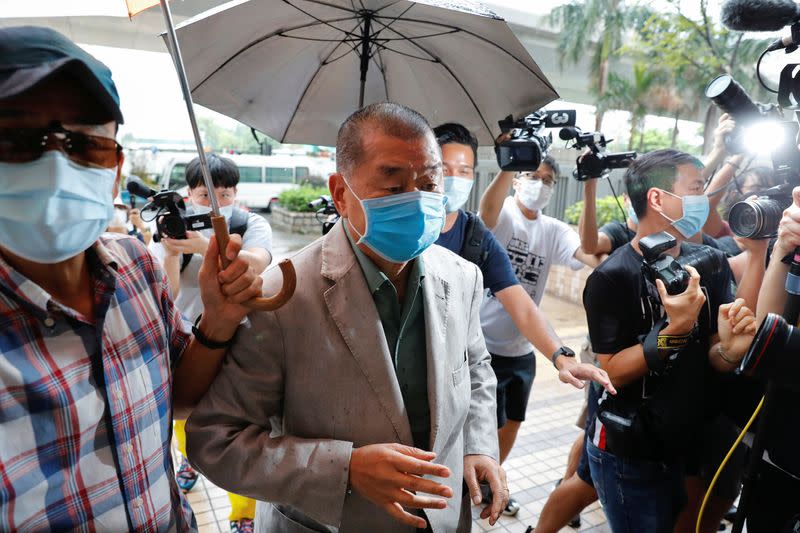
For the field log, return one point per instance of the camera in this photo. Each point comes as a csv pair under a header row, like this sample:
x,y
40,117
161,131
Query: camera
x,y
528,145
758,218
672,271
170,213
327,209
772,355
730,97
598,162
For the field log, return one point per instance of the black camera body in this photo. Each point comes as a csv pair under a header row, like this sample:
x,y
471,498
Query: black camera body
x,y
758,218
672,271
599,161
528,145
170,213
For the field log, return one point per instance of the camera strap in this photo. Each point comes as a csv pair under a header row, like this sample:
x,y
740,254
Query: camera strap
x,y
651,349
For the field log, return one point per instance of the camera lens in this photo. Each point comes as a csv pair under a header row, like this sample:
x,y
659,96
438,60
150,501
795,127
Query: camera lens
x,y
729,96
771,355
755,219
174,226
706,261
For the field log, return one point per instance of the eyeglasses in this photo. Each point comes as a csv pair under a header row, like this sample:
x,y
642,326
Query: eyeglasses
x,y
22,145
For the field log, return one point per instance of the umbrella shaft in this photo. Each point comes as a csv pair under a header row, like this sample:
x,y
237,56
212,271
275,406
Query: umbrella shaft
x,y
365,42
177,59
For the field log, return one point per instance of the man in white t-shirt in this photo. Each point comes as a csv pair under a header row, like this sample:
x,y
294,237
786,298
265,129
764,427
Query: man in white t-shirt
x,y
181,259
534,242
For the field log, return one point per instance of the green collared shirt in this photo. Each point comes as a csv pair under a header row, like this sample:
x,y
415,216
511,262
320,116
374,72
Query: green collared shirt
x,y
405,334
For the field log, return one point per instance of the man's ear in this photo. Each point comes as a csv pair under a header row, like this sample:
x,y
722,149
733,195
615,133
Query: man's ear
x,y
337,186
655,198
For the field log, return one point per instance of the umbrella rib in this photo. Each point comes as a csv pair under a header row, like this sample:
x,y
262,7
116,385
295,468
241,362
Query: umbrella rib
x,y
412,56
308,86
382,68
334,6
480,38
325,22
450,71
386,39
266,38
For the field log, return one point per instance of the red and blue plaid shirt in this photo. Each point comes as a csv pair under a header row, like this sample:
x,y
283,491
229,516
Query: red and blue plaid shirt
x,y
85,402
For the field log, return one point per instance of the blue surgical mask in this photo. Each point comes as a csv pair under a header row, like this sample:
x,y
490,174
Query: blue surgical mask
x,y
695,214
456,190
402,226
52,209
632,215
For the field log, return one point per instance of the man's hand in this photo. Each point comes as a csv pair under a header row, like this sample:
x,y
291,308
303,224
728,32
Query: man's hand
x,y
756,247
725,126
789,227
736,325
390,476
194,243
479,468
574,373
136,219
682,309
224,292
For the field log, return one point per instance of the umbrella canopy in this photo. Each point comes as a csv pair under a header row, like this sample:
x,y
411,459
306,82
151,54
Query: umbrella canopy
x,y
295,69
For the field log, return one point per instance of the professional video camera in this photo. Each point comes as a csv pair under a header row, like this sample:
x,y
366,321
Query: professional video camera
x,y
672,271
598,162
325,207
170,212
528,145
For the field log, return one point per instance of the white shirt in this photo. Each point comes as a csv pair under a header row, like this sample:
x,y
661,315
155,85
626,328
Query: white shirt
x,y
532,246
257,235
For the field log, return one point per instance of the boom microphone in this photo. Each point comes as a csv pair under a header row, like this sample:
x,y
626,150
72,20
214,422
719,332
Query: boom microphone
x,y
759,15
136,188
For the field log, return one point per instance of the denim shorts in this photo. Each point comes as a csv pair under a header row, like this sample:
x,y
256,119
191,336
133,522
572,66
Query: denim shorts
x,y
637,495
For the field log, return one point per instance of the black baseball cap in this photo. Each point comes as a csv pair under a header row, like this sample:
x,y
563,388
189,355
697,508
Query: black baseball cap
x,y
30,55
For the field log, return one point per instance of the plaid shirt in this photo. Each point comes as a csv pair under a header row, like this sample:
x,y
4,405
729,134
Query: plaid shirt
x,y
85,405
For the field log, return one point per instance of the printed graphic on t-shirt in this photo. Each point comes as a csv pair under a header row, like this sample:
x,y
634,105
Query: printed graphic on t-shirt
x,y
527,265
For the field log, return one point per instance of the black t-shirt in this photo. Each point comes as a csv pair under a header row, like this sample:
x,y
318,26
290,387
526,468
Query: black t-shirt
x,y
620,307
620,234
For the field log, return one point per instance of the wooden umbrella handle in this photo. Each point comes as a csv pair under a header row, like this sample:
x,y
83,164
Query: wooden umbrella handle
x,y
271,303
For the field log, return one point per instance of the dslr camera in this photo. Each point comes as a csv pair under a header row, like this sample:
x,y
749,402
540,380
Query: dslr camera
x,y
170,213
528,145
599,162
671,270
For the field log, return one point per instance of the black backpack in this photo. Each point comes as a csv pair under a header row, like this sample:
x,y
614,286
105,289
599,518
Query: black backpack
x,y
236,225
474,233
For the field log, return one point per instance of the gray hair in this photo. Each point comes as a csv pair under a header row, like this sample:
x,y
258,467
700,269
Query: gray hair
x,y
388,117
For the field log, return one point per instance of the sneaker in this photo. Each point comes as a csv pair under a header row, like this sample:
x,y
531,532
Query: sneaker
x,y
186,476
512,508
245,525
576,520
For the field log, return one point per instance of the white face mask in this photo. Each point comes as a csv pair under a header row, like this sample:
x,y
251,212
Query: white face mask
x,y
226,211
534,194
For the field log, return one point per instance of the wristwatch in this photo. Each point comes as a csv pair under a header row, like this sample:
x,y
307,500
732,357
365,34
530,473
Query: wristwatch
x,y
566,352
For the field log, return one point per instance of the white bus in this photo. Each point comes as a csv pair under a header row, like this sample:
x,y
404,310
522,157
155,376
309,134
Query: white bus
x,y
261,178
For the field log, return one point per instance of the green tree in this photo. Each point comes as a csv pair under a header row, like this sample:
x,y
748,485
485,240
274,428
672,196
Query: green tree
x,y
597,27
220,139
632,95
653,139
696,50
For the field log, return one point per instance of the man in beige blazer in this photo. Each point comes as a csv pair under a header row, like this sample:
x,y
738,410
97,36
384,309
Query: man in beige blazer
x,y
367,403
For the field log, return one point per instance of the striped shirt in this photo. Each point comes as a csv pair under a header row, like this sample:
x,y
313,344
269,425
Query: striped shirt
x,y
85,402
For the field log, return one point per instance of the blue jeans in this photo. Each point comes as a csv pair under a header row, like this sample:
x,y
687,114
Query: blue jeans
x,y
637,495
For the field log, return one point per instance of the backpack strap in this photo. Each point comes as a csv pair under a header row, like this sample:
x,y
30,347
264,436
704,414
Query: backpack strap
x,y
474,233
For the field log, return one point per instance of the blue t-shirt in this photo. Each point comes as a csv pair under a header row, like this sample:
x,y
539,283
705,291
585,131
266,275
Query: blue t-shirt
x,y
498,273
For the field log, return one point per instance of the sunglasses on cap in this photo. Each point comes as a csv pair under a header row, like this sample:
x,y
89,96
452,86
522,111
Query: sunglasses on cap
x,y
23,145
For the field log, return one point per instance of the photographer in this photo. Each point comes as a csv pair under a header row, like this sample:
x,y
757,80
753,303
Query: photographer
x,y
128,221
465,234
181,259
666,394
775,505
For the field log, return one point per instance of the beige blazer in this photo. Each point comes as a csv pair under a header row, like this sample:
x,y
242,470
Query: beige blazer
x,y
305,384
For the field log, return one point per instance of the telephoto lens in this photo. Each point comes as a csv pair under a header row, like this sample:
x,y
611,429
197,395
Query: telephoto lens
x,y
756,218
773,353
707,261
729,96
